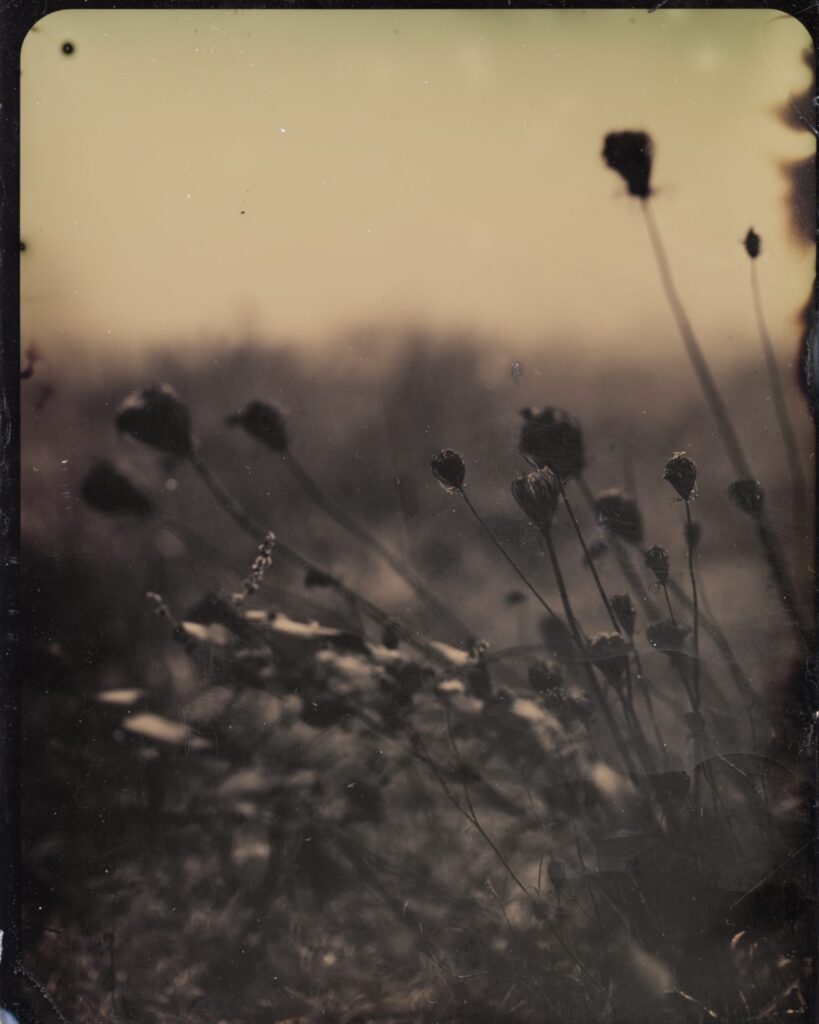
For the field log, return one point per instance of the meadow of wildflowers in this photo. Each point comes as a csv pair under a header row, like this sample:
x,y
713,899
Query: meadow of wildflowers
x,y
546,759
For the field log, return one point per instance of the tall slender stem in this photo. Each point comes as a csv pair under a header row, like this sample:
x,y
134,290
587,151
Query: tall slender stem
x,y
253,529
580,638
695,601
779,571
518,572
694,350
364,537
668,603
723,420
780,405
589,559
623,560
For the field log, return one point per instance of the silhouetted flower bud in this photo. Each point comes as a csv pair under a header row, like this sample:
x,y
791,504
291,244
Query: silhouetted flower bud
x,y
609,652
630,154
158,418
317,578
620,516
545,676
667,635
449,468
264,422
681,473
753,244
538,495
625,611
552,438
106,490
747,495
657,561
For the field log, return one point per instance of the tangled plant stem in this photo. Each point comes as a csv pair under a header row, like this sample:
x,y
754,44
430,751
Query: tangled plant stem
x,y
518,572
786,429
253,529
719,410
364,537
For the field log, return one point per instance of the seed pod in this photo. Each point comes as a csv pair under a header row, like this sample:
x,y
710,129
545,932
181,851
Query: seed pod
x,y
620,516
157,417
753,244
545,676
609,652
747,495
538,495
681,473
625,611
657,561
106,490
552,438
666,635
265,422
449,468
630,155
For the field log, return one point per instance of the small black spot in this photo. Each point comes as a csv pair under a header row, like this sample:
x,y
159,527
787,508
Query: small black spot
x,y
68,49
241,211
23,246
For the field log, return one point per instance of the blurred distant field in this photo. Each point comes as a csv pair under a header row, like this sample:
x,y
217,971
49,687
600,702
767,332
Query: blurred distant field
x,y
287,838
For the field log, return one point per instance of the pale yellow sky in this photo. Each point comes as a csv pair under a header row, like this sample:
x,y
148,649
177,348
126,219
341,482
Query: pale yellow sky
x,y
190,174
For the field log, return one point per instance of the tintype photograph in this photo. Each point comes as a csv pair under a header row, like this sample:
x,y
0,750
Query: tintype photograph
x,y
417,532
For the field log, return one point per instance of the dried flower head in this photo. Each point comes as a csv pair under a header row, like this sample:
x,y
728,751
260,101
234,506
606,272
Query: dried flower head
x,y
545,676
619,515
681,473
747,495
610,652
753,244
106,490
538,494
657,561
667,635
157,417
625,611
265,422
552,438
449,468
630,155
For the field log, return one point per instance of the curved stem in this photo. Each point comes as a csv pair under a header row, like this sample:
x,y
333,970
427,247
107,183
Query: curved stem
x,y
589,560
696,612
365,538
780,405
694,350
779,571
580,638
253,529
518,572
668,603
